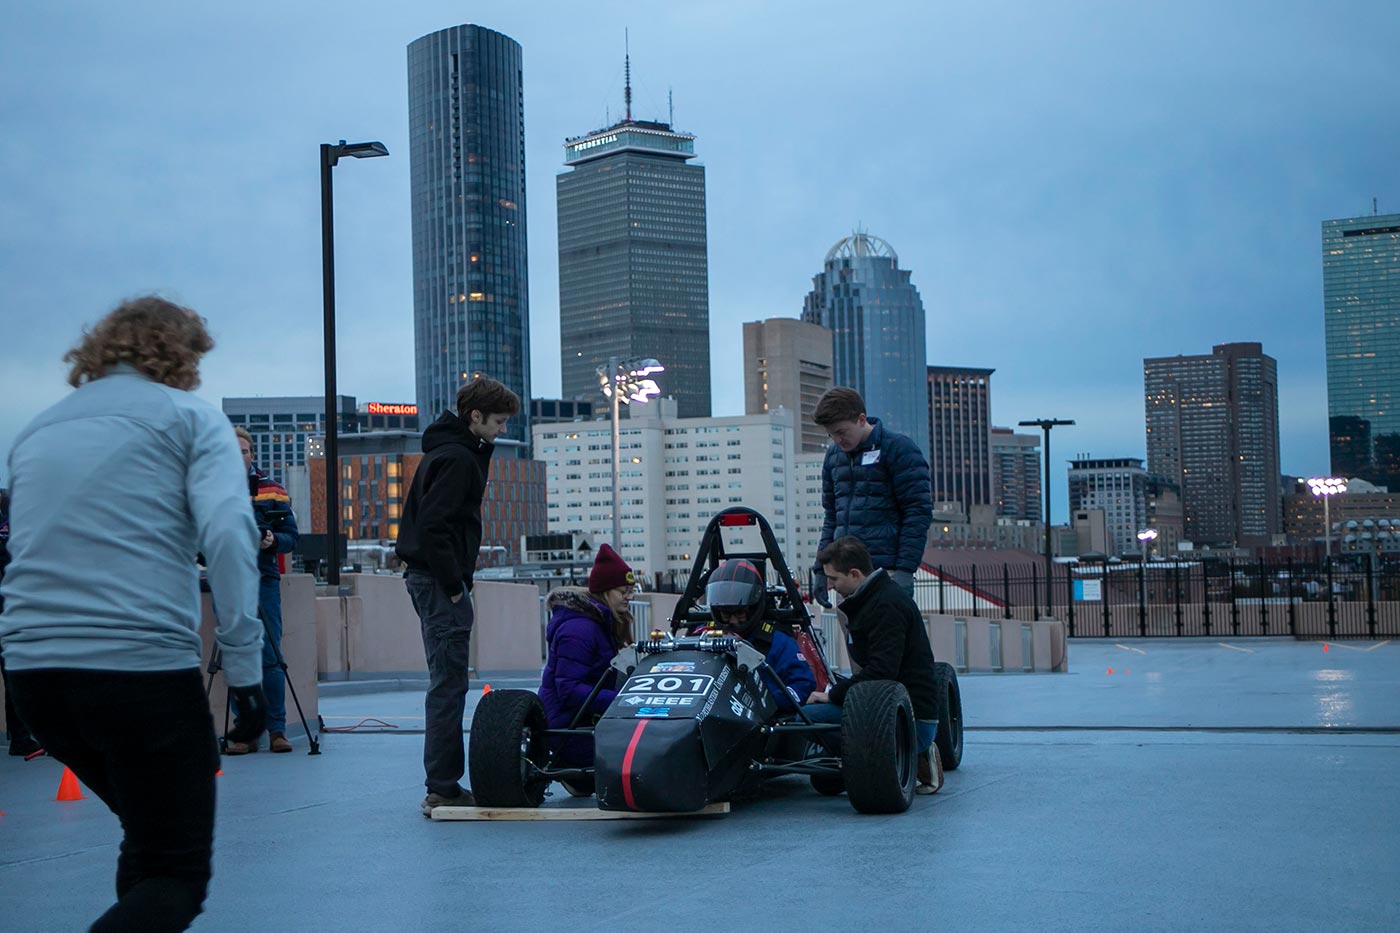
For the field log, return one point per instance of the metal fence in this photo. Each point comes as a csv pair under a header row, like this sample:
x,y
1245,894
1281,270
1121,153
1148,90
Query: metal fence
x,y
1355,597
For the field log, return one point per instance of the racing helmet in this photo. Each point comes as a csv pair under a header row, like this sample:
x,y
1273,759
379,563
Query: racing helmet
x,y
736,584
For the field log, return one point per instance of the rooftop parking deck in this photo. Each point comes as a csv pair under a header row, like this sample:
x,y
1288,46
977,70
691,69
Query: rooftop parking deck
x,y
1202,785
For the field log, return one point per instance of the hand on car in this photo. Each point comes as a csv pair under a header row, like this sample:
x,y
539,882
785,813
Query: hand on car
x,y
819,696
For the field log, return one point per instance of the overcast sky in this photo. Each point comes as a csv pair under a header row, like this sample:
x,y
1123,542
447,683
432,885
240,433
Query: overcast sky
x,y
1074,186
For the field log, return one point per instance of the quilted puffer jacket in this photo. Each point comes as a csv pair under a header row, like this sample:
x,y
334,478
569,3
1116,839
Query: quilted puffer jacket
x,y
879,493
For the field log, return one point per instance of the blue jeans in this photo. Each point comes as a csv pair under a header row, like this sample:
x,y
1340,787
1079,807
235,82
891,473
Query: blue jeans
x,y
274,683
924,729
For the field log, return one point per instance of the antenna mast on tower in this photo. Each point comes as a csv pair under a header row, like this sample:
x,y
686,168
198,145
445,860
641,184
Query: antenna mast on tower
x,y
670,108
627,71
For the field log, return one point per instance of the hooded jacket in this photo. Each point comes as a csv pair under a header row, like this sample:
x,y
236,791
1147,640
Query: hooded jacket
x,y
579,635
888,640
440,531
879,493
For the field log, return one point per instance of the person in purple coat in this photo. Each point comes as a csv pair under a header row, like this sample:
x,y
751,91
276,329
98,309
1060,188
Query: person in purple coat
x,y
586,630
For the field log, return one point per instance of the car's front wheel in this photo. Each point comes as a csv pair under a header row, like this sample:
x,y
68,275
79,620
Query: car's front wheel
x,y
509,743
877,747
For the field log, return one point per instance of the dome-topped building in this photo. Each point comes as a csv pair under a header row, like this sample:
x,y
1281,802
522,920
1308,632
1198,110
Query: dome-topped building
x,y
877,321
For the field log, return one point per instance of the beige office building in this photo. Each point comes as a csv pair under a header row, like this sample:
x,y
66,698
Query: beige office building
x,y
788,364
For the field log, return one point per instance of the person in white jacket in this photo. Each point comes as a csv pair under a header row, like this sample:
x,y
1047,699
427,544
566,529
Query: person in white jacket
x,y
113,492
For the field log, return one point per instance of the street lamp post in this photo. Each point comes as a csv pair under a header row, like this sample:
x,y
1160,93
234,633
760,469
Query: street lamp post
x,y
625,381
1045,424
330,155
1324,488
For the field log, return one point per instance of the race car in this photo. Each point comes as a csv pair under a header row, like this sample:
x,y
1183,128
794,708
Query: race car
x,y
701,716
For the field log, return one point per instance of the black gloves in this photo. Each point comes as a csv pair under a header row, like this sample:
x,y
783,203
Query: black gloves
x,y
819,589
250,712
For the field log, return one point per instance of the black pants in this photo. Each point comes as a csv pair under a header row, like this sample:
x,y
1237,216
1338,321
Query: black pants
x,y
447,635
144,743
19,732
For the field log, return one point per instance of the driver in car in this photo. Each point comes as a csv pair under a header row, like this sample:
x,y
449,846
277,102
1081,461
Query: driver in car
x,y
737,598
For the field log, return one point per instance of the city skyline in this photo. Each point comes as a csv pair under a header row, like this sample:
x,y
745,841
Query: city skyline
x,y
1124,218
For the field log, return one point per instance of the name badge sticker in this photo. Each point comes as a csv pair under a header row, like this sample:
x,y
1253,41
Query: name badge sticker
x,y
870,458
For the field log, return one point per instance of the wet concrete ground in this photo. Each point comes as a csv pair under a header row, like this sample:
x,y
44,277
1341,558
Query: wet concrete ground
x,y
1249,786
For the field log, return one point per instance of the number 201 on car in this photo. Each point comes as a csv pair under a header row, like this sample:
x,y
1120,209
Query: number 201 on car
x,y
682,684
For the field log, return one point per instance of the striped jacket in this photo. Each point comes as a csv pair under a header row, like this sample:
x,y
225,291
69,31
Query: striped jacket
x,y
272,509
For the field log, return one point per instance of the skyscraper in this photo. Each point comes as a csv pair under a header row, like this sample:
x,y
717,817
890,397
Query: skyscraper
x,y
1016,474
1361,313
787,364
1118,486
1212,430
877,320
633,262
471,307
960,435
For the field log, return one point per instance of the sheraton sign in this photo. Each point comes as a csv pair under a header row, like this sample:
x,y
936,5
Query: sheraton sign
x,y
387,408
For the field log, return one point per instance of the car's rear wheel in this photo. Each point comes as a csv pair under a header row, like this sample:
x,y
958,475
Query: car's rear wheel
x,y
950,720
877,747
508,744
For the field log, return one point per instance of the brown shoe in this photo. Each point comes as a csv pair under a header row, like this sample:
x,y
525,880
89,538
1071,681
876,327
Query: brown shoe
x,y
277,742
241,748
930,772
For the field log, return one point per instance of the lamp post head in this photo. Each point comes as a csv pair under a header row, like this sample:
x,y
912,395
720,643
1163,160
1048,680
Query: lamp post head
x,y
342,150
1327,485
1147,534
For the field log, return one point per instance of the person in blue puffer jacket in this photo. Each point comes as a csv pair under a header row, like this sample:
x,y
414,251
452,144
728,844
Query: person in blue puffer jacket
x,y
875,487
586,630
737,597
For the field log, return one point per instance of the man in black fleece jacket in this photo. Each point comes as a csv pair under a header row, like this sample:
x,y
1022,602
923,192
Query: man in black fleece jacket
x,y
439,537
888,640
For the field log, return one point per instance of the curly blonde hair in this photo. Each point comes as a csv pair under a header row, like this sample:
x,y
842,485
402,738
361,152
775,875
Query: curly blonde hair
x,y
161,339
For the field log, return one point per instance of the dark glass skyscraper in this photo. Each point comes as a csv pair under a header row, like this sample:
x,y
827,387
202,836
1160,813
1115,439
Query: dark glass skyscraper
x,y
1361,307
877,320
633,264
471,307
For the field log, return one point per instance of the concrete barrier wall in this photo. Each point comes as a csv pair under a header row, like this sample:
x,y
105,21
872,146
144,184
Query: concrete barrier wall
x,y
984,652
374,631
299,649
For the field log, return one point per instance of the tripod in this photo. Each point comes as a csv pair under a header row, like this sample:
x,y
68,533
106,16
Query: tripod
x,y
216,665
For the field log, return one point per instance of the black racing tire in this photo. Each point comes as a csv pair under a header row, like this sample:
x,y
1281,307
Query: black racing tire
x,y
508,735
950,719
877,747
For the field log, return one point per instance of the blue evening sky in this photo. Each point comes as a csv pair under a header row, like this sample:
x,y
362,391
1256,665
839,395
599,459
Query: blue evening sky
x,y
1074,185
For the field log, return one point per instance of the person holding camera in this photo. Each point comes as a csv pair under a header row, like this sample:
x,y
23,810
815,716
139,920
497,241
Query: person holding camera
x,y
277,527
114,490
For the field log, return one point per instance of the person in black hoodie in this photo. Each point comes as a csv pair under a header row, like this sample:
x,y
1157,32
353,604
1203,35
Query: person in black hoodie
x,y
439,536
888,641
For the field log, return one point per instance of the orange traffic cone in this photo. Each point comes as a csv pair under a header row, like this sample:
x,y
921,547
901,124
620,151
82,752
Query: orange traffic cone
x,y
485,690
68,786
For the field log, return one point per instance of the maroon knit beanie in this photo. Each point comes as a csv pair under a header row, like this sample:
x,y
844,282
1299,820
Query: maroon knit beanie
x,y
609,571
